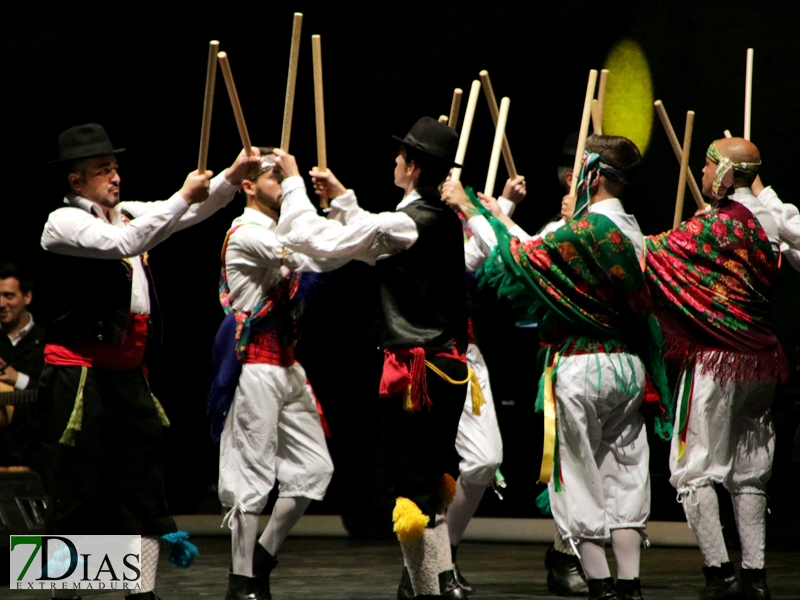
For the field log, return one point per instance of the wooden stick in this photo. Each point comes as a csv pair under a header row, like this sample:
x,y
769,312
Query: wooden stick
x,y
748,93
676,148
497,147
466,128
288,106
237,108
455,106
319,105
727,133
597,118
492,101
601,96
208,104
443,119
687,143
583,133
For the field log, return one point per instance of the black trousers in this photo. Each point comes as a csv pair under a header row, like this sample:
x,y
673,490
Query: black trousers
x,y
421,446
112,480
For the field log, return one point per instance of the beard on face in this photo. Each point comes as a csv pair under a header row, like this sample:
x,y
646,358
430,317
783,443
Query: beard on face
x,y
268,201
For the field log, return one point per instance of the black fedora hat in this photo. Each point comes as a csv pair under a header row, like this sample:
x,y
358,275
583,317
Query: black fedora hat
x,y
433,138
84,141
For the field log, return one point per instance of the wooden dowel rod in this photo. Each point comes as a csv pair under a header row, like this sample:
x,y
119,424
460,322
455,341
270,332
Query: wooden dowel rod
x,y
237,107
455,106
676,148
687,144
497,147
597,118
466,128
583,132
727,133
492,101
208,104
601,96
748,93
319,105
291,80
443,119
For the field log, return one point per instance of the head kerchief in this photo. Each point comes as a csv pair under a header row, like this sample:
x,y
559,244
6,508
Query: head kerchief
x,y
266,164
727,170
592,168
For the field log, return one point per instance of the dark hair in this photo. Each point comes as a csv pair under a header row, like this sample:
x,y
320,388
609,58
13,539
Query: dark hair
x,y
618,152
432,170
74,166
9,269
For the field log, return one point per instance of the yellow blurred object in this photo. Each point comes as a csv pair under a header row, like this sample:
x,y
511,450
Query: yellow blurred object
x,y
628,105
409,521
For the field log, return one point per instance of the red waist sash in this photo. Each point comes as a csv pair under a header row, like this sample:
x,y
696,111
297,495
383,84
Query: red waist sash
x,y
266,349
128,355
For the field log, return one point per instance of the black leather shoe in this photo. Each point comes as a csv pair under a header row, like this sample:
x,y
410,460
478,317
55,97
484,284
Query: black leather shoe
x,y
459,577
240,587
602,589
405,590
564,574
753,584
263,563
629,589
448,589
721,583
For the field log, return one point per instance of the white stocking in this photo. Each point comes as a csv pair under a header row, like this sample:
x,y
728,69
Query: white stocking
x,y
593,560
627,546
465,503
150,549
244,527
750,511
702,513
285,515
428,556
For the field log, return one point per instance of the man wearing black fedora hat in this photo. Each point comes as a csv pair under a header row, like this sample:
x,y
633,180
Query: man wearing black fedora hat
x,y
101,425
418,252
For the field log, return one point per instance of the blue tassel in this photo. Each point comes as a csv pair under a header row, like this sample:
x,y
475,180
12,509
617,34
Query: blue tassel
x,y
543,503
182,552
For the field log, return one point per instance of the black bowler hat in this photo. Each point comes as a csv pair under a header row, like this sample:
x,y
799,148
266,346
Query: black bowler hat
x,y
433,138
569,149
84,141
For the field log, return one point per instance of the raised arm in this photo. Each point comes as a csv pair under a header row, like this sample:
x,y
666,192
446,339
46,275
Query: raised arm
x,y
72,231
373,237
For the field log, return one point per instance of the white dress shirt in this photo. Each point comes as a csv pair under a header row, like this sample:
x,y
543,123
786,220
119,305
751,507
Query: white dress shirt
x,y
787,219
350,232
84,229
255,261
22,379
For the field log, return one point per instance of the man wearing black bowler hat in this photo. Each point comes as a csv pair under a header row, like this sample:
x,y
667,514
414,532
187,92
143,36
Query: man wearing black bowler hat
x,y
418,250
101,425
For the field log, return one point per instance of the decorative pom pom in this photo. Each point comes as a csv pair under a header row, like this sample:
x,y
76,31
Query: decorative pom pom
x,y
182,552
447,489
409,521
543,503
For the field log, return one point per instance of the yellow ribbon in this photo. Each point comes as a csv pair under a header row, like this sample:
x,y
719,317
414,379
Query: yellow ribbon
x,y
548,452
76,418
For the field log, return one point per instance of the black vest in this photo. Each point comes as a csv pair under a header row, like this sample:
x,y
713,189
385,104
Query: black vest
x,y
423,294
84,299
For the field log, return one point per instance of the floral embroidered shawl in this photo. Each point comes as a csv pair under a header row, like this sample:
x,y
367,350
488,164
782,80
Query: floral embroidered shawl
x,y
713,279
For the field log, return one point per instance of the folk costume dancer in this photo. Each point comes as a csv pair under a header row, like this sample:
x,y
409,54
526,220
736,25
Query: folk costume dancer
x,y
478,443
273,428
101,425
419,256
584,284
714,277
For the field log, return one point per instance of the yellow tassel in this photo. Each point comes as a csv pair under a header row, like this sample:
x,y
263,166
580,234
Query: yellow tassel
x,y
76,418
548,453
408,405
409,521
478,400
162,414
447,489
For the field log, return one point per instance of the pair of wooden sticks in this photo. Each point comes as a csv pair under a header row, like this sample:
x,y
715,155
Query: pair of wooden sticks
x,y
500,118
214,57
592,110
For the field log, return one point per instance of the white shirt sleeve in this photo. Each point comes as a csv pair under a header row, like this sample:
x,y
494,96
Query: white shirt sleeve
x,y
22,381
220,193
259,246
483,241
346,210
372,237
506,205
787,217
74,232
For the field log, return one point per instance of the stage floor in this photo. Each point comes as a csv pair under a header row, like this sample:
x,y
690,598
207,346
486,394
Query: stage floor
x,y
341,569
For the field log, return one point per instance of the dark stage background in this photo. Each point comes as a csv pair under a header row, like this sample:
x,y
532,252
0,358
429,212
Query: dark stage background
x,y
139,69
